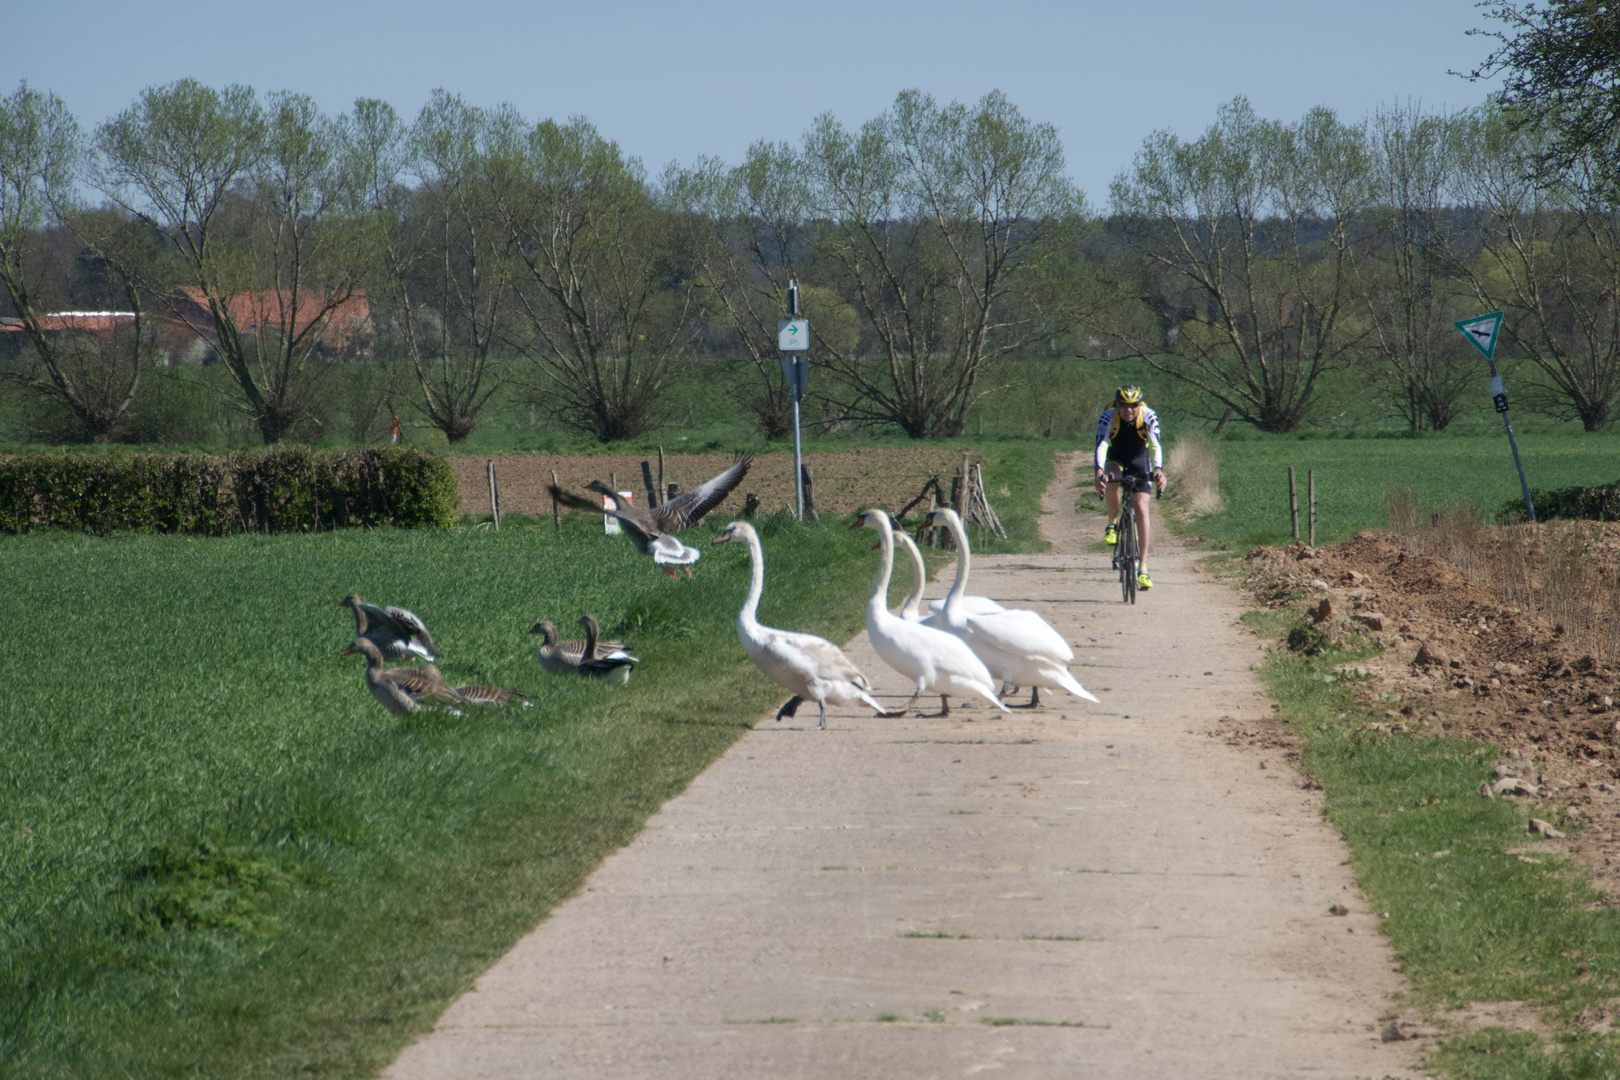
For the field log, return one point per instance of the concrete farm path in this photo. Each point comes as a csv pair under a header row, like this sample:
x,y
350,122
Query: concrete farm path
x,y
1074,891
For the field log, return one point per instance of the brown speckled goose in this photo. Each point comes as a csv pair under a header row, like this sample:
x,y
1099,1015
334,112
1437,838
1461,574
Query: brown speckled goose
x,y
596,663
402,690
651,530
563,657
489,696
395,631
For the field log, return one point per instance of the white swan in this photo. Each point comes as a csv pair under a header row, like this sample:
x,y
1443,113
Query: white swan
x,y
912,608
935,661
812,667
1018,646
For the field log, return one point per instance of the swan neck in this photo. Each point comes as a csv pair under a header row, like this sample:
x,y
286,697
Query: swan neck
x,y
880,584
964,562
919,581
756,581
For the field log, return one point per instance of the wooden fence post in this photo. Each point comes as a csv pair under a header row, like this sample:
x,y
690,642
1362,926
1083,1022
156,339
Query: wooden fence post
x,y
809,494
1310,488
494,495
1293,503
661,486
647,482
750,505
556,518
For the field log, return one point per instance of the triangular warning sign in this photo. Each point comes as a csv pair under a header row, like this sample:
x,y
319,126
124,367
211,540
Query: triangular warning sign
x,y
1482,332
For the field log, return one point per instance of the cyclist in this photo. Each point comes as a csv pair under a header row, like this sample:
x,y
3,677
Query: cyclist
x,y
1129,454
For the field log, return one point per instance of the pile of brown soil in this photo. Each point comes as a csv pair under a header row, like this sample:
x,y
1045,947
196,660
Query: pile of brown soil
x,y
1459,660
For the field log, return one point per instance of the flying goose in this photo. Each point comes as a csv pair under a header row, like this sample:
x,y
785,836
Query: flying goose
x,y
402,690
812,667
935,661
652,530
597,662
395,631
1017,645
563,657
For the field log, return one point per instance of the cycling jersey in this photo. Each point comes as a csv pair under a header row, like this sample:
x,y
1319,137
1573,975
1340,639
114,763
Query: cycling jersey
x,y
1127,445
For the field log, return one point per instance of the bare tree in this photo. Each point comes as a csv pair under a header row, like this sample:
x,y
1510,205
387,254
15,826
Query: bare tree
x,y
444,263
1406,291
936,221
1250,233
93,372
603,297
256,204
1548,255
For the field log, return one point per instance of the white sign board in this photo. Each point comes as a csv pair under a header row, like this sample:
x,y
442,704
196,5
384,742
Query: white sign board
x,y
610,524
793,335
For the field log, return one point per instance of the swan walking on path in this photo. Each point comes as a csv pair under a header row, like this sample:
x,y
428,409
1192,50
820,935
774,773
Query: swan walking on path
x,y
935,661
812,667
652,529
1018,646
395,631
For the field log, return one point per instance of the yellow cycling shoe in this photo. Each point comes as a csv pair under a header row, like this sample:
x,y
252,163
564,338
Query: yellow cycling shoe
x,y
1143,582
1111,534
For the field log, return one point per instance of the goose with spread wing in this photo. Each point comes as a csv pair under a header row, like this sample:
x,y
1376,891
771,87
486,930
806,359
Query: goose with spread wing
x,y
653,530
395,631
812,667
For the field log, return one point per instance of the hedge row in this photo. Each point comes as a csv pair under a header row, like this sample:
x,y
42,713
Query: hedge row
x,y
1599,503
293,490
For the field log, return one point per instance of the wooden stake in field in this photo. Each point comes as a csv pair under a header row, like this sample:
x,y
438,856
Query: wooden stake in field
x,y
809,494
1293,503
1310,489
556,517
494,495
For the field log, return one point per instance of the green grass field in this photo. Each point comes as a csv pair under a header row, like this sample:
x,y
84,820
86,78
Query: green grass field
x,y
1354,476
220,857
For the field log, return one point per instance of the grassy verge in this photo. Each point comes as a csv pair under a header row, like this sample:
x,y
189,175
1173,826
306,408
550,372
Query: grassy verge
x,y
219,857
1476,912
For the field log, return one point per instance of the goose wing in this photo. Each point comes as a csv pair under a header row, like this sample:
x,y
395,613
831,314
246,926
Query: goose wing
x,y
412,629
643,533
688,507
420,683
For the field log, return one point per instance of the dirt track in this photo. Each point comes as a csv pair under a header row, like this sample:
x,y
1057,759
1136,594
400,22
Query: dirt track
x,y
1106,891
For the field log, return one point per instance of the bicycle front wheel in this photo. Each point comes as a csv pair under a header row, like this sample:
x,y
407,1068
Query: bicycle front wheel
x,y
1128,556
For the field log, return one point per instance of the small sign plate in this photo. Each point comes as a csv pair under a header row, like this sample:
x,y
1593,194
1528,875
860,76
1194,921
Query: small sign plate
x,y
793,335
1482,332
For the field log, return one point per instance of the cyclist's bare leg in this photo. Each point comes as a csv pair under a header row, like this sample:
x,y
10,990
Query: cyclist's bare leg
x,y
1113,502
1141,498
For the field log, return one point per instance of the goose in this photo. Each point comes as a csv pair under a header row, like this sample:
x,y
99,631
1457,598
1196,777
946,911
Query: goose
x,y
812,667
489,696
395,631
597,662
935,661
402,690
1018,646
652,529
563,657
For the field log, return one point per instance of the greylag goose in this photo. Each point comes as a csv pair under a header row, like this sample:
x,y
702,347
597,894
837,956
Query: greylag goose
x,y
652,530
1017,645
812,667
596,662
563,657
395,631
402,690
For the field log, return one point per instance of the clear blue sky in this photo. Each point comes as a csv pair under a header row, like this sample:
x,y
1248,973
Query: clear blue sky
x,y
674,81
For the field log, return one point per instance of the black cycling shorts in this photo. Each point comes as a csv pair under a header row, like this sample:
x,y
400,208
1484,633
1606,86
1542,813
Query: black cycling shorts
x,y
1136,475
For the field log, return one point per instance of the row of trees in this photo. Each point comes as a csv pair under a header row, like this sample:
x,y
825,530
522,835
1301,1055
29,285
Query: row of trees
x,y
931,244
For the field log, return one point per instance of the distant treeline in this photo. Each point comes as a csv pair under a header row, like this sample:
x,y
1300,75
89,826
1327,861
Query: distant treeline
x,y
930,245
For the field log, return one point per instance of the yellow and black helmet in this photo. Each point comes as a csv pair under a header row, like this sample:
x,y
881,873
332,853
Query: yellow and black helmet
x,y
1128,395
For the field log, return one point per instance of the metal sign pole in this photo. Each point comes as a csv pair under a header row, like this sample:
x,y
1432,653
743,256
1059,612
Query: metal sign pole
x,y
793,340
1482,333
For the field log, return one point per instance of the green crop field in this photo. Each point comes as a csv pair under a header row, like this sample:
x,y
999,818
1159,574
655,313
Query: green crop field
x,y
220,857
1355,475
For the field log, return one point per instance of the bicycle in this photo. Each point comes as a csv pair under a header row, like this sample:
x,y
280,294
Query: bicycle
x,y
1128,545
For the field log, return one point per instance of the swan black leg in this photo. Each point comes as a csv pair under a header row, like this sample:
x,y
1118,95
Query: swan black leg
x,y
1034,699
790,708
